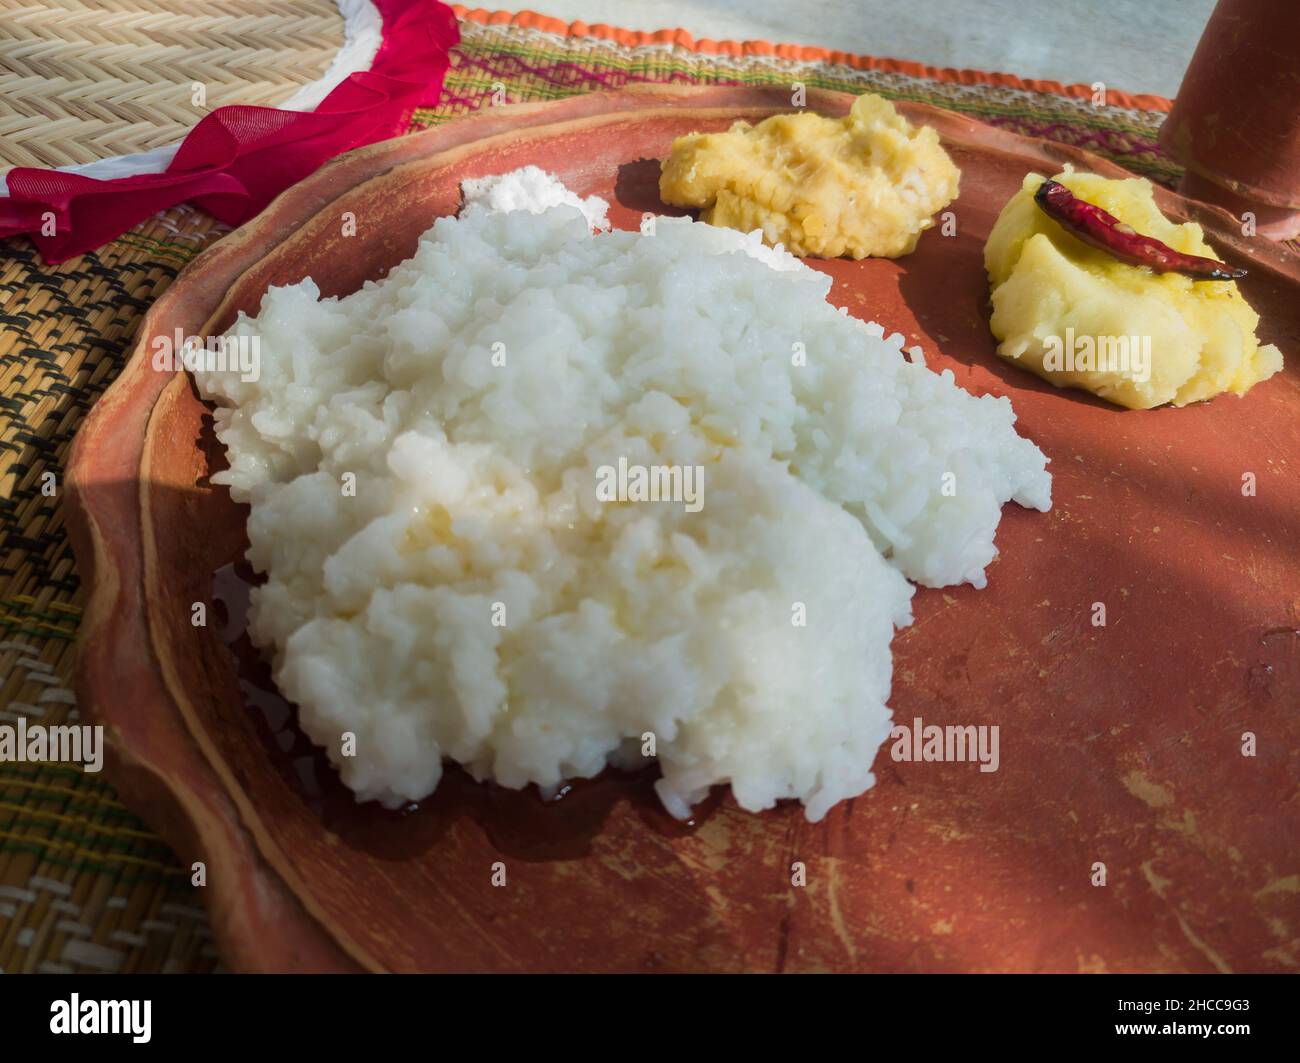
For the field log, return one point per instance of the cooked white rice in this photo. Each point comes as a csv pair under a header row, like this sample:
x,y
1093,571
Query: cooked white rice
x,y
473,599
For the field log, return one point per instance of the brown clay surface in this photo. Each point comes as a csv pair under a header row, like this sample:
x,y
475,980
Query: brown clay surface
x,y
1119,744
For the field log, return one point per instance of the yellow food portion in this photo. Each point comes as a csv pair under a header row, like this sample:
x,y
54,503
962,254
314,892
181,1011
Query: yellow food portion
x,y
865,184
1051,291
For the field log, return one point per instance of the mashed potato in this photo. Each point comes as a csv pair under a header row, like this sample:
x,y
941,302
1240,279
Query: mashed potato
x,y
471,597
865,184
1052,293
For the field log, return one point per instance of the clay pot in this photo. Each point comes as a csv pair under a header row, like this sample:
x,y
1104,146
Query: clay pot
x,y
1121,742
1236,122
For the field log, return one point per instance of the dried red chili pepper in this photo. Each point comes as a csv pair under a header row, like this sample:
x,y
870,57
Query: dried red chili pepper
x,y
1096,228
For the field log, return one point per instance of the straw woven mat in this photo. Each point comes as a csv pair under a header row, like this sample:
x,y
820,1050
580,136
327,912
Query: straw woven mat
x,y
89,79
84,884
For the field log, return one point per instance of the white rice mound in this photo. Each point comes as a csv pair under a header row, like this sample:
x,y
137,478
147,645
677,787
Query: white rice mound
x,y
473,600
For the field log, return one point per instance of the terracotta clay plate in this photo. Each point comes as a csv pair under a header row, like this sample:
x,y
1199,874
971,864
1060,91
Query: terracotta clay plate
x,y
1123,830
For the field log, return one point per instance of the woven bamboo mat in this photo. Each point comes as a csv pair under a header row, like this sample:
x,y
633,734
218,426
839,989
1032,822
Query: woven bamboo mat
x,y
84,885
83,80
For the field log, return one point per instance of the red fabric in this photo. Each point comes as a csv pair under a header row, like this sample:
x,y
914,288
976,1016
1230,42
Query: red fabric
x,y
237,159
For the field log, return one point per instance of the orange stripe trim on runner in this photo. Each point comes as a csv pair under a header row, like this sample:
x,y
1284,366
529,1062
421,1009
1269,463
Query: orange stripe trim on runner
x,y
800,53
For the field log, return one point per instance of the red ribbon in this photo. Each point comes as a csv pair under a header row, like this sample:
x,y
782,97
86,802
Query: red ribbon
x,y
238,158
